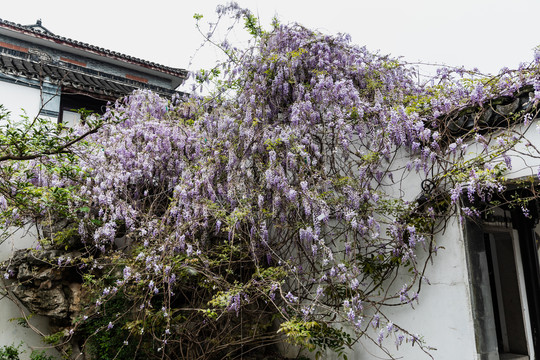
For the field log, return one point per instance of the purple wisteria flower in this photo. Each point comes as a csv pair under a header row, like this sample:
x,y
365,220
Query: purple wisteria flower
x,y
302,175
291,298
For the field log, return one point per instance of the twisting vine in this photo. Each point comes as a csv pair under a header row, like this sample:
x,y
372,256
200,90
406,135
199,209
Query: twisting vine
x,y
217,226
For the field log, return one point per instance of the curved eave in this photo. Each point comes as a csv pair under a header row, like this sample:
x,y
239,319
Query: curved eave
x,y
176,76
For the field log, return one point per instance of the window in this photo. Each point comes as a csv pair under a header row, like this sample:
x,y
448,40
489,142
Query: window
x,y
508,295
502,255
70,104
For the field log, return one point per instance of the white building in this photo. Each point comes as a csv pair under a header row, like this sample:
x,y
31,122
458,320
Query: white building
x,y
483,301
42,74
45,73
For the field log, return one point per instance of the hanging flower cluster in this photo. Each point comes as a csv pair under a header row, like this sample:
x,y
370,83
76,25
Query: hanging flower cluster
x,y
209,219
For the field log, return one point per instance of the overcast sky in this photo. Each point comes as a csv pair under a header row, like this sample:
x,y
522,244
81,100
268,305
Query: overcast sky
x,y
488,34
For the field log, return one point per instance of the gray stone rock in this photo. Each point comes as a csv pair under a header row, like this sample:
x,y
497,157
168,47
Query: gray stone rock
x,y
42,286
24,272
509,108
50,302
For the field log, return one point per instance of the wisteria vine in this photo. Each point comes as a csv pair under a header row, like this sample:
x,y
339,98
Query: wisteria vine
x,y
272,209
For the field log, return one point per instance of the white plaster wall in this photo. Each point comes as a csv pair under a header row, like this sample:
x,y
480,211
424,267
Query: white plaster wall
x,y
17,98
20,100
10,331
18,238
526,156
443,315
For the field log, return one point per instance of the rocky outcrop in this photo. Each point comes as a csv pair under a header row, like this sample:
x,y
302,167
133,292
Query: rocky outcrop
x,y
44,287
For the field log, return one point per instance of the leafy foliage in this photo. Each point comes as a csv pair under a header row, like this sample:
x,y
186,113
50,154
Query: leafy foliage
x,y
111,342
9,352
12,352
209,228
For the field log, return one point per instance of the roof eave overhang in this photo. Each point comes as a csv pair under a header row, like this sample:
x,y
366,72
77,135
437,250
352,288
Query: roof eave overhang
x,y
175,77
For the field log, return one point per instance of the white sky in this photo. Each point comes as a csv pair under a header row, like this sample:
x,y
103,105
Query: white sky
x,y
487,34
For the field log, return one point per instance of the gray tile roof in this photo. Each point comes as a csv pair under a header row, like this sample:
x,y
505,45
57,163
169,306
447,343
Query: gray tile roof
x,y
39,31
19,64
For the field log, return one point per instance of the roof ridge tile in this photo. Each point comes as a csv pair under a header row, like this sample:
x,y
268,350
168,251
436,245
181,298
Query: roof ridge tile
x,y
68,41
